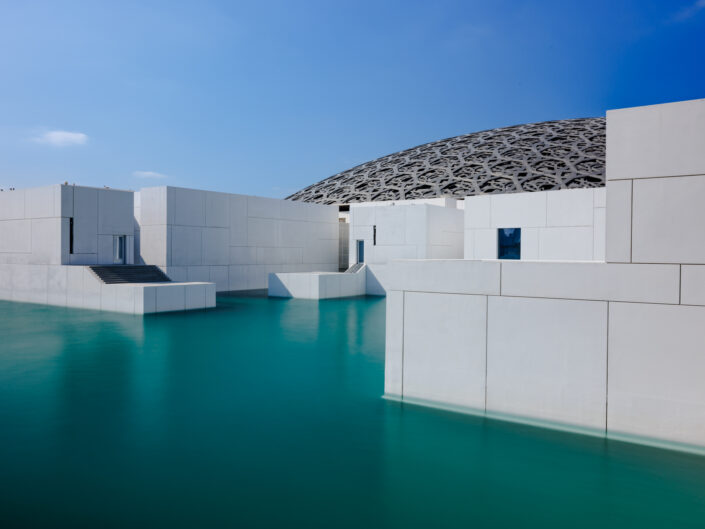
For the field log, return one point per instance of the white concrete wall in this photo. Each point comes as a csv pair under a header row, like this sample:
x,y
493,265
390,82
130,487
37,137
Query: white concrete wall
x,y
316,285
611,348
564,225
235,241
78,287
604,348
415,229
34,224
656,184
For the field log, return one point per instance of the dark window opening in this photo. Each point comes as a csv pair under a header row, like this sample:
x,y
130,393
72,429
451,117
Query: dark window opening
x,y
71,235
374,235
509,243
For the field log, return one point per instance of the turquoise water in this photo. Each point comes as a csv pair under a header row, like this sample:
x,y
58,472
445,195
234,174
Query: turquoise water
x,y
267,413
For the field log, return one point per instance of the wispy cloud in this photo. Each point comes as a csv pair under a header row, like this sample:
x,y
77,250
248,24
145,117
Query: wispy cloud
x,y
690,11
149,174
61,138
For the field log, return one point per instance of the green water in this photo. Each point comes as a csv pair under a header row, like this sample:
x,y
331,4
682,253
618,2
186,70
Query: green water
x,y
267,413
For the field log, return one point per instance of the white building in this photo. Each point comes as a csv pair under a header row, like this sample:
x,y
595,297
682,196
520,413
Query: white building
x,y
234,241
52,238
612,348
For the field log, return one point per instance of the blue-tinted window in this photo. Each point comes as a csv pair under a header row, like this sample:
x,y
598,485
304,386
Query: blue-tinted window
x,y
509,243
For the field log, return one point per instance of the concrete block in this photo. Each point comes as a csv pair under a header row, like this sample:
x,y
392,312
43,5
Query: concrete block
x,y
656,140
394,344
85,223
15,235
518,210
115,212
74,286
83,259
693,285
92,290
46,241
216,250
195,296
592,281
266,208
210,295
262,232
566,244
219,276
40,202
198,274
245,255
618,241
469,244
217,205
149,300
552,364
57,285
292,210
237,277
600,197
656,369
477,212
453,276
669,220
188,206
155,244
447,365
486,244
63,196
177,273
530,243
153,206
569,207
170,297
12,205
599,231
186,246
105,249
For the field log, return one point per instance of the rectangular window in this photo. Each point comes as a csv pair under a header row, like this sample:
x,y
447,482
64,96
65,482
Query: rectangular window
x,y
374,235
509,243
71,235
118,249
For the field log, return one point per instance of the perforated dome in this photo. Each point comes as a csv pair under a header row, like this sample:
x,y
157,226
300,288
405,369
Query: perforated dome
x,y
561,154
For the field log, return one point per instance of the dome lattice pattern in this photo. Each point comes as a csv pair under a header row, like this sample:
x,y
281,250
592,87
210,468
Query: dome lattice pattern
x,y
536,157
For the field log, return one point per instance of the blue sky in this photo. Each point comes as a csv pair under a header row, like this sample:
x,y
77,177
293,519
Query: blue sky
x,y
268,97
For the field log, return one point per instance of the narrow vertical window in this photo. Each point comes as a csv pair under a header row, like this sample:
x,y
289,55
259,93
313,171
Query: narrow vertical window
x,y
374,235
509,243
71,235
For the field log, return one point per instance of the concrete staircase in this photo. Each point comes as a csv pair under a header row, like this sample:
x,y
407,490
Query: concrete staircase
x,y
114,274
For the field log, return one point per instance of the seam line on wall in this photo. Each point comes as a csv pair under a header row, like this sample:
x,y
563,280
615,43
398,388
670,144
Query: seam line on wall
x,y
403,334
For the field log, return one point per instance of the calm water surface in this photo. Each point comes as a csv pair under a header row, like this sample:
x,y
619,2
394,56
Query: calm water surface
x,y
267,413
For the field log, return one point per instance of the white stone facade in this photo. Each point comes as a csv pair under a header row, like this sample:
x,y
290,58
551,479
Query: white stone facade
x,y
234,241
35,225
416,229
565,225
612,348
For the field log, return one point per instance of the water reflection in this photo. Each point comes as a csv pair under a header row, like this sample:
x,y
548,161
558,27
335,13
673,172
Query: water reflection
x,y
267,413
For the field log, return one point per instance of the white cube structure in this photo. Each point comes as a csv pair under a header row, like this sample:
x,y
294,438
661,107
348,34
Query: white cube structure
x,y
612,348
563,225
414,229
234,241
49,237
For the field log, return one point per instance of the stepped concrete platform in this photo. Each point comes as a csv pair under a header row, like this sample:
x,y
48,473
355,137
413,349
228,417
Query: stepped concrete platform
x,y
319,285
82,287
